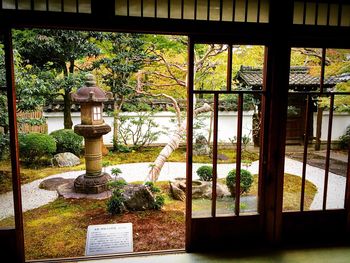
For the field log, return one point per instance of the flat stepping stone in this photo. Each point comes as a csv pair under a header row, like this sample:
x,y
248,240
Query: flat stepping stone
x,y
53,183
67,191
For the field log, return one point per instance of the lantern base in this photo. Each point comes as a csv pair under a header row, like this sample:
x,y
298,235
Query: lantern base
x,y
91,184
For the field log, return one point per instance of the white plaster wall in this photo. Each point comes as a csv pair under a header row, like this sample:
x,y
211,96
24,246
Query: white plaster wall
x,y
227,126
340,122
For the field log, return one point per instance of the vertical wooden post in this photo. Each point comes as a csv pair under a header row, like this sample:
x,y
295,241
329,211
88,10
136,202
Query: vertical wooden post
x,y
274,105
16,180
274,112
189,137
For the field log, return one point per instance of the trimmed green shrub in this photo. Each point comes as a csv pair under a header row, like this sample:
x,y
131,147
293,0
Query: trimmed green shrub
x,y
68,141
245,182
344,140
34,146
115,205
154,189
159,201
205,173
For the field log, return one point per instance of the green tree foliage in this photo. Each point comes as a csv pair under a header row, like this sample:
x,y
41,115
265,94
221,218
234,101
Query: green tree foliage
x,y
124,55
33,88
58,50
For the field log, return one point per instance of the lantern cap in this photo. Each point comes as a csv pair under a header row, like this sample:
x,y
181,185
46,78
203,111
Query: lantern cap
x,y
90,92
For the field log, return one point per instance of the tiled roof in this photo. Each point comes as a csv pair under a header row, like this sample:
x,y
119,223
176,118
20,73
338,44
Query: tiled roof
x,y
299,78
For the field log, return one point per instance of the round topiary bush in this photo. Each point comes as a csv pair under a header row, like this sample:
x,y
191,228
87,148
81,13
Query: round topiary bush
x,y
205,173
68,141
245,182
34,146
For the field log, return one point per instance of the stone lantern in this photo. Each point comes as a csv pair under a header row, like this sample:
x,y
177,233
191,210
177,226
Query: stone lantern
x,y
92,128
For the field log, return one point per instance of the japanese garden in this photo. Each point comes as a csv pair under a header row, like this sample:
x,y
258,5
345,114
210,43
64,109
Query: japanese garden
x,y
103,119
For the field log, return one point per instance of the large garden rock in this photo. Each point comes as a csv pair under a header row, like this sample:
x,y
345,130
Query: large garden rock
x,y
200,189
201,146
66,159
137,197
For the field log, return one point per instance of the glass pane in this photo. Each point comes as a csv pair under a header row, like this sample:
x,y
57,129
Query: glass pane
x,y
240,11
333,15
135,8
227,131
6,204
227,10
24,5
310,13
322,14
252,11
85,6
70,6
210,75
298,13
302,119
264,11
305,69
175,9
202,9
247,64
148,8
214,10
202,159
189,9
162,8
337,72
250,154
345,18
8,4
121,8
55,5
296,124
227,155
40,5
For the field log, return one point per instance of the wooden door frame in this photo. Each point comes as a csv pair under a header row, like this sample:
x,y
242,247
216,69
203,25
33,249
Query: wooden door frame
x,y
272,221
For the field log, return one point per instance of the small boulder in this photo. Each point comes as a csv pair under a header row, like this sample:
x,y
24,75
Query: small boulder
x,y
137,197
177,193
200,189
66,159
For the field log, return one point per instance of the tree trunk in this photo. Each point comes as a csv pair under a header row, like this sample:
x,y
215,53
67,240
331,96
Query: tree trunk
x,y
172,145
318,128
68,124
67,103
116,114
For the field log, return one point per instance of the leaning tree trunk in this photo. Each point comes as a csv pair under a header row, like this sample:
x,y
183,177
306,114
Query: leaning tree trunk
x,y
173,143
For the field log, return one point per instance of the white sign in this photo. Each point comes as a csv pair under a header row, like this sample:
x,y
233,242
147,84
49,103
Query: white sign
x,y
109,239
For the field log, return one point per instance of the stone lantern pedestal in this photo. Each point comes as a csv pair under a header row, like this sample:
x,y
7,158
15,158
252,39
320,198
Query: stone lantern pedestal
x,y
92,128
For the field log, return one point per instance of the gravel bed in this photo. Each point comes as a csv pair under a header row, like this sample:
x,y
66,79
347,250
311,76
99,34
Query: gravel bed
x,y
33,196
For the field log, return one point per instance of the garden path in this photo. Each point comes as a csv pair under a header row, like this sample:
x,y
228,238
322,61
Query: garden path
x,y
33,196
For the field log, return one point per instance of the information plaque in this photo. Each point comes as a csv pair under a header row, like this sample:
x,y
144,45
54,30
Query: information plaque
x,y
109,239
